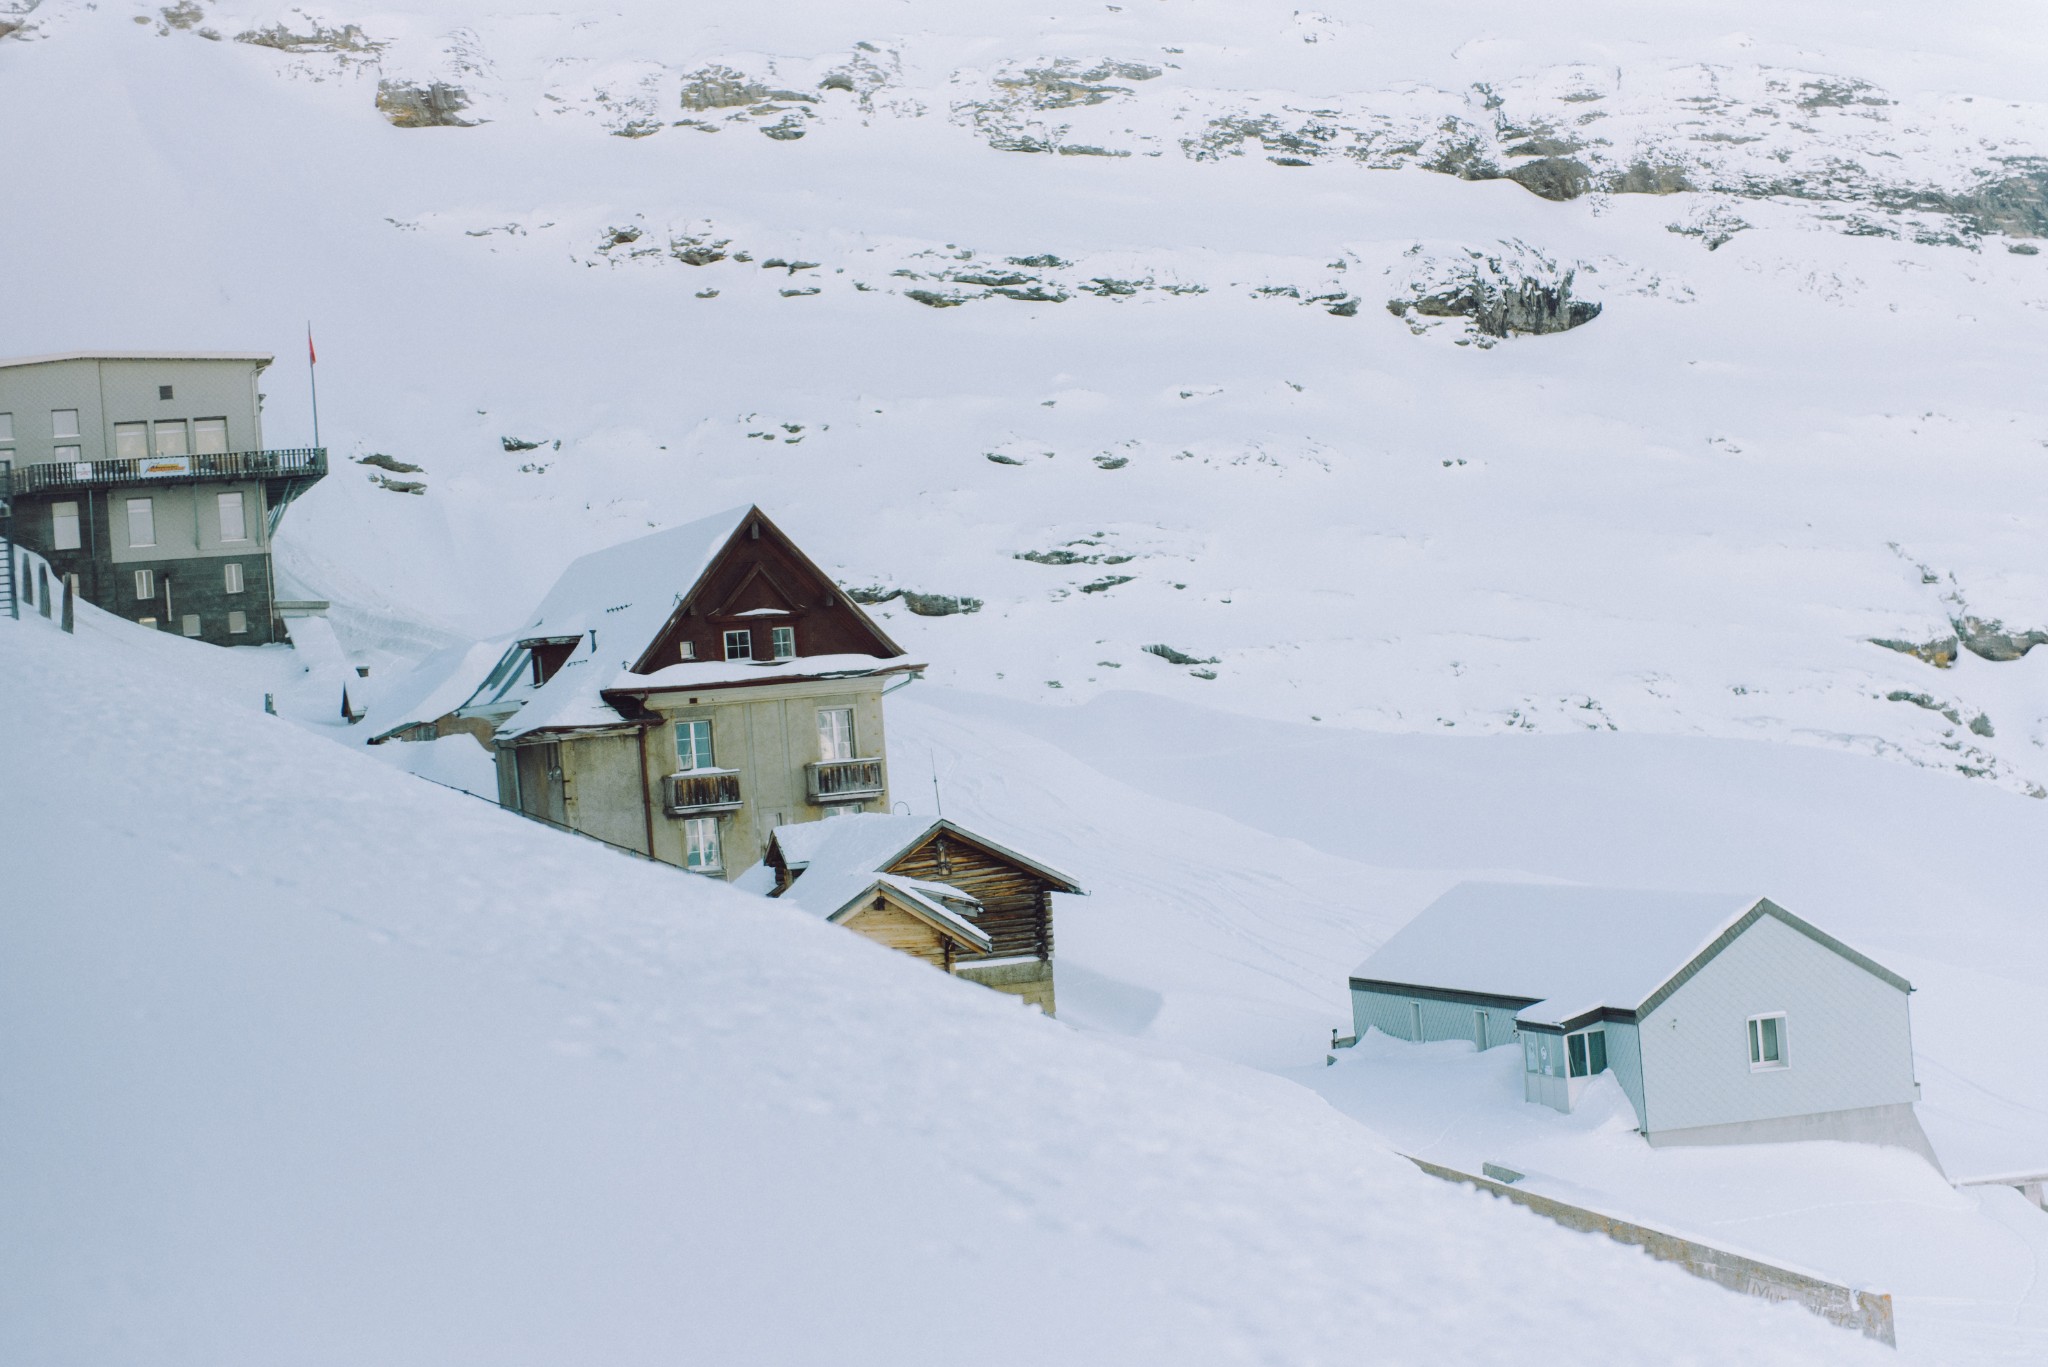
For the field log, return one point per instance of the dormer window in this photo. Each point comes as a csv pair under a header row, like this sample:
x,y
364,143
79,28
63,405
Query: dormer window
x,y
784,639
739,645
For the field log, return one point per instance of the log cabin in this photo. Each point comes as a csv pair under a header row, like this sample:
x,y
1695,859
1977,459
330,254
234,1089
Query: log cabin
x,y
929,887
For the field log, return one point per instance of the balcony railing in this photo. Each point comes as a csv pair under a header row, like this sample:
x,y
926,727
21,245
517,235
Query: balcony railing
x,y
844,780
702,791
308,463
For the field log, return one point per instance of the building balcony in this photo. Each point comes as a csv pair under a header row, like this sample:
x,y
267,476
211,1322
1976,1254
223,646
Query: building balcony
x,y
701,792
844,780
302,463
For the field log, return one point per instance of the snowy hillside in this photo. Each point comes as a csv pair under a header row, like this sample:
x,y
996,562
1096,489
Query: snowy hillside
x,y
850,260
309,1062
1323,454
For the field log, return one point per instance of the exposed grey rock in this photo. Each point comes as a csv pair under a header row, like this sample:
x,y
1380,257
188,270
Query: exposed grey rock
x,y
1980,725
1557,178
1929,702
1518,291
435,105
520,444
698,250
400,486
1939,652
1001,459
1108,462
391,463
923,604
183,15
1067,557
1106,583
934,299
1178,657
318,38
1645,179
1992,641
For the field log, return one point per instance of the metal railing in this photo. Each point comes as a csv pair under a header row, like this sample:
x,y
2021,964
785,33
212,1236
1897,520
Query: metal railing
x,y
844,780
694,794
305,462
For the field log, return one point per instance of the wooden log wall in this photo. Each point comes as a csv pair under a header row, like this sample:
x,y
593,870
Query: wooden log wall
x,y
1016,903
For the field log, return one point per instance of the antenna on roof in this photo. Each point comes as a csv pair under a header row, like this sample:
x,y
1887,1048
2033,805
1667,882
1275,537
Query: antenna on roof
x,y
937,801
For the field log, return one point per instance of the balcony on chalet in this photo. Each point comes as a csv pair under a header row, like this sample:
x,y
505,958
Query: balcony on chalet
x,y
285,473
844,780
701,792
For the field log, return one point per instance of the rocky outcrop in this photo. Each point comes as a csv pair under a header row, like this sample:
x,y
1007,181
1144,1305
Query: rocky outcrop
x,y
923,604
391,463
1499,294
434,105
348,40
1939,652
1992,640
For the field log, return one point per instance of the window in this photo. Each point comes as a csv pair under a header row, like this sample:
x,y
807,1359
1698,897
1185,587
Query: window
x,y
6,427
845,809
232,527
1767,1042
141,522
170,439
739,645
210,437
149,622
1588,1053
63,422
238,623
145,585
700,844
131,440
64,526
163,391
231,576
190,624
69,455
693,745
687,650
835,733
784,641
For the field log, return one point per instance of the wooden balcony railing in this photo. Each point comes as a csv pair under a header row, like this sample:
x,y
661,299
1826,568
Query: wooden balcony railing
x,y
702,791
844,780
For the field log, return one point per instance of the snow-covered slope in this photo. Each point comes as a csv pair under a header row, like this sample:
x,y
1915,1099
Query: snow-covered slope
x,y
1803,420
309,1062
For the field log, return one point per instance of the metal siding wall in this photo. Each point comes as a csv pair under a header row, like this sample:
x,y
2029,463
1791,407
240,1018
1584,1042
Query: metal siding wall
x,y
1625,1061
1848,1041
1440,1020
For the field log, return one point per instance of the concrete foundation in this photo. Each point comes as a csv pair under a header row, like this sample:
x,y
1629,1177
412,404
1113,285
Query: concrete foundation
x,y
1894,1126
1030,979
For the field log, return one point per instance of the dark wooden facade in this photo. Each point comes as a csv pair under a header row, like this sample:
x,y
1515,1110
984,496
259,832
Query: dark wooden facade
x,y
1016,901
758,582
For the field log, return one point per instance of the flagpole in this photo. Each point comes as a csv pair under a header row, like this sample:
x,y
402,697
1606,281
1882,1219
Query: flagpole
x,y
313,382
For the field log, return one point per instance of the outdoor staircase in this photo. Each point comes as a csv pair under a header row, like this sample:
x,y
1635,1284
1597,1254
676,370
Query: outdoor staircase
x,y
10,590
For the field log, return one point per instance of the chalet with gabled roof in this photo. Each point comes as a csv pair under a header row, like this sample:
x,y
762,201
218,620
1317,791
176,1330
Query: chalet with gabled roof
x,y
685,693
929,887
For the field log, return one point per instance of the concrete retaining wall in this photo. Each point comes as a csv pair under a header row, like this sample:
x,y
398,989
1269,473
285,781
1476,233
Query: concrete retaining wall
x,y
1867,1312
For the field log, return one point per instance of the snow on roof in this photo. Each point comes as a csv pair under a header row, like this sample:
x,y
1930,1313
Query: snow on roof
x,y
842,861
259,358
437,686
1568,949
625,593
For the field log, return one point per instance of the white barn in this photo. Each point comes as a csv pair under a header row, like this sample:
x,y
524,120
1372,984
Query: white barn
x,y
1725,1019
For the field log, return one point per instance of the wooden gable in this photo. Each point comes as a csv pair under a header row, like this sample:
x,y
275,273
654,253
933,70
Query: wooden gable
x,y
757,582
1015,897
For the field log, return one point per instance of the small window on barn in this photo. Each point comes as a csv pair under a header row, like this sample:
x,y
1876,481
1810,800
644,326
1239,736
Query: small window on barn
x,y
141,522
238,623
163,391
64,526
739,645
191,624
233,526
687,650
231,576
1767,1042
145,585
784,642
700,844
